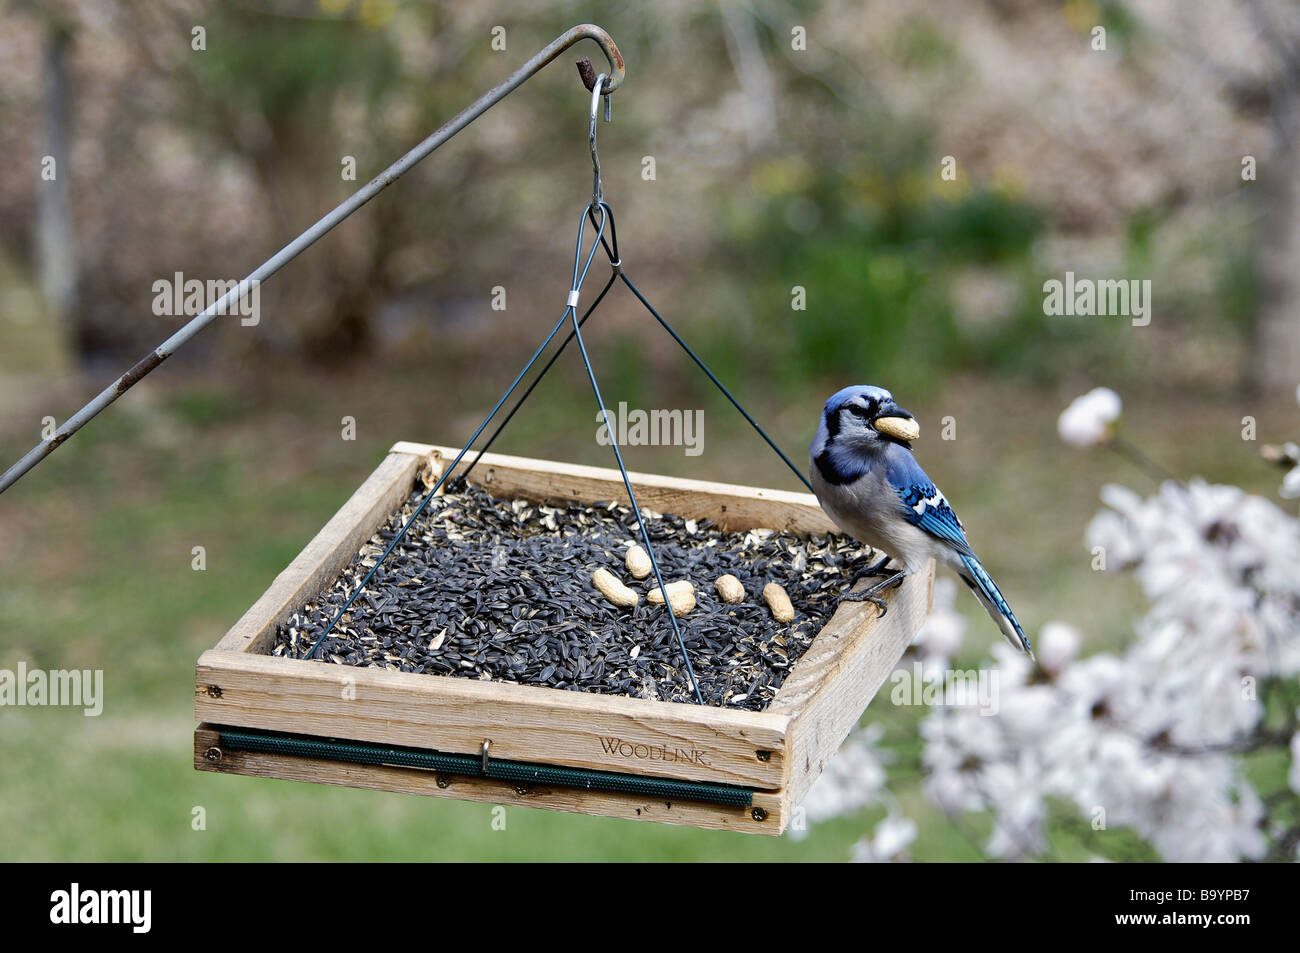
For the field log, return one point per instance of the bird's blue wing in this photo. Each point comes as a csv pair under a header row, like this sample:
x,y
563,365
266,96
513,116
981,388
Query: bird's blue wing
x,y
921,503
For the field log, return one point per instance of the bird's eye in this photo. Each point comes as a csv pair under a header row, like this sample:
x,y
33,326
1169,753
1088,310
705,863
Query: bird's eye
x,y
858,410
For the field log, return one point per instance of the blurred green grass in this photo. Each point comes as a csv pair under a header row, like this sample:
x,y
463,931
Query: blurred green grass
x,y
95,572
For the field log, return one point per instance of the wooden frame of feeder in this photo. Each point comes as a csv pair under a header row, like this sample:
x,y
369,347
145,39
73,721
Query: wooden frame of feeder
x,y
777,753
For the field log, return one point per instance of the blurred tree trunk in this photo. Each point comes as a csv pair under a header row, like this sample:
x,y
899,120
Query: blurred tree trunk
x,y
753,72
56,258
1275,354
1276,344
339,281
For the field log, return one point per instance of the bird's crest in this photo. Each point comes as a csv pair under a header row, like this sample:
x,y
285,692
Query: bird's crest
x,y
864,392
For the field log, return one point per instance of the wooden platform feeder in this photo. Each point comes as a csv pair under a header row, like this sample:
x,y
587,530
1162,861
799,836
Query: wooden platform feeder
x,y
398,731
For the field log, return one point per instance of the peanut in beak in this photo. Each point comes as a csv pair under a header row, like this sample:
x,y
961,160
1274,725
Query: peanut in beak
x,y
900,428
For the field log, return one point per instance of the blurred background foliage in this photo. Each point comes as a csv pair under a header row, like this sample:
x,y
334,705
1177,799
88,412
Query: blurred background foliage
x,y
774,168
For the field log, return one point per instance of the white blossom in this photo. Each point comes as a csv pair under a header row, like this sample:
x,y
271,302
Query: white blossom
x,y
890,841
1087,421
1144,737
940,638
1291,482
1058,644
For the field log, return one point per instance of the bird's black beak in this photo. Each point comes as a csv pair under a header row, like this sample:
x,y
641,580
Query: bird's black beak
x,y
891,409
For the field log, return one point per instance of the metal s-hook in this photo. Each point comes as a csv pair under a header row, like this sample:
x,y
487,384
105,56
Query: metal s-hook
x,y
597,195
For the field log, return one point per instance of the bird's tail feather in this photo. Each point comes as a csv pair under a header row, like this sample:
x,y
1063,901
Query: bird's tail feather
x,y
986,590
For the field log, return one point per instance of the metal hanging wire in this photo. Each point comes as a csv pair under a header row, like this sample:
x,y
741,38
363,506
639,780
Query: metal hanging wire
x,y
711,376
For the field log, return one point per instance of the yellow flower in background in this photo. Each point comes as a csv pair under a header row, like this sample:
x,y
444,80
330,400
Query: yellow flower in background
x,y
783,176
377,13
333,8
1011,181
1081,15
914,188
871,189
923,185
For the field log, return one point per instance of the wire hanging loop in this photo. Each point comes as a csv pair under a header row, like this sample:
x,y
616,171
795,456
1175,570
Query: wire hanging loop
x,y
581,266
597,91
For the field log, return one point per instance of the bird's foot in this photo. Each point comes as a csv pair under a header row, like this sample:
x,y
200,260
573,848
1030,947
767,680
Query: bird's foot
x,y
872,593
875,569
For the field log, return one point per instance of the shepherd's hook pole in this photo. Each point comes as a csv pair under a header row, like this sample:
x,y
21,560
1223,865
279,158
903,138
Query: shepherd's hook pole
x,y
227,303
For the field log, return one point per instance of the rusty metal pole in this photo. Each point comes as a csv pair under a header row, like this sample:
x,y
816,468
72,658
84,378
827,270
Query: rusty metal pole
x,y
228,303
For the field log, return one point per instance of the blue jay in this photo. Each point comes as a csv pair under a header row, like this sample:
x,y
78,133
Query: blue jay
x,y
871,486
